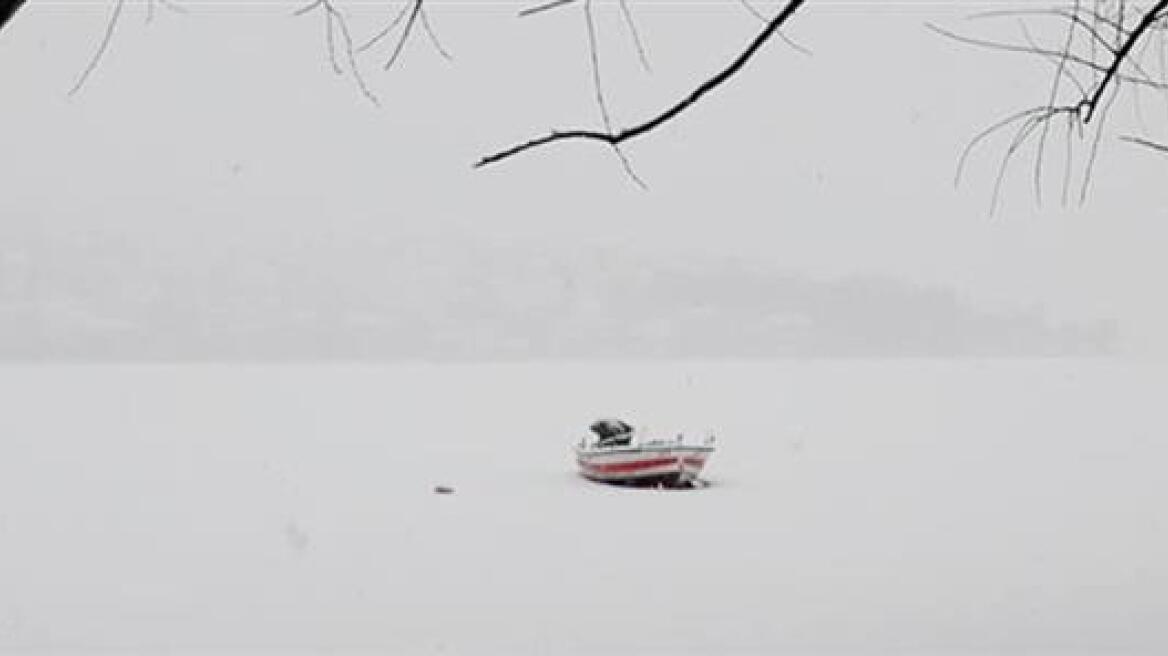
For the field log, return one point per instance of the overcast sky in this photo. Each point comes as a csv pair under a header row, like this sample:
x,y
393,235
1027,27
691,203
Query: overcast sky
x,y
213,140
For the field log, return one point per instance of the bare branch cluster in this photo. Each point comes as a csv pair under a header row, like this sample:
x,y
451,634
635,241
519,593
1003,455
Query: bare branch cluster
x,y
1097,49
341,46
1100,52
409,16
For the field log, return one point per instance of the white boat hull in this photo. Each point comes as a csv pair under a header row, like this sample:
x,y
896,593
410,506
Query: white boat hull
x,y
643,464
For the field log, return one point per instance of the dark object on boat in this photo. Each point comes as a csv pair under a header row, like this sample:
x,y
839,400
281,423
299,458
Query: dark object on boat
x,y
442,489
612,432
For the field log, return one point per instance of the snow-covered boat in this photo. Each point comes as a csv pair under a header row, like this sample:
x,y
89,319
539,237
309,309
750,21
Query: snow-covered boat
x,y
615,453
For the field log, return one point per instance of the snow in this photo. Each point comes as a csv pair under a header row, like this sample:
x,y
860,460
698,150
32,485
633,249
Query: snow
x,y
856,506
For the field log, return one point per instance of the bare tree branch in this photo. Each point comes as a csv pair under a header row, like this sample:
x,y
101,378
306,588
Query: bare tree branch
x,y
8,10
754,11
1150,18
618,137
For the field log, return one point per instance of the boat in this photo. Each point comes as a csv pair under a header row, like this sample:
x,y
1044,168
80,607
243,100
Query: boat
x,y
615,452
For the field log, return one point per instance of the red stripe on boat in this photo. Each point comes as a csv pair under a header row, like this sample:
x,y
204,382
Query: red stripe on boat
x,y
635,465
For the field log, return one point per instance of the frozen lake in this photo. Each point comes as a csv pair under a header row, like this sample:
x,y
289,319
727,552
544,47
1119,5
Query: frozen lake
x,y
932,506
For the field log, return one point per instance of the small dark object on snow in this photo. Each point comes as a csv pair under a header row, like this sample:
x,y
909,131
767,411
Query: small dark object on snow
x,y
442,489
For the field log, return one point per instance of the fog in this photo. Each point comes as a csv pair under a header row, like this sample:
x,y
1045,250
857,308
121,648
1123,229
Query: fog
x,y
214,176
249,320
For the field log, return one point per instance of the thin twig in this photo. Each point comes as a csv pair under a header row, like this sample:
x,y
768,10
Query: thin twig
x,y
598,88
385,31
594,60
1068,158
1094,153
1054,89
401,43
434,37
331,42
1020,137
544,7
984,134
412,13
752,10
636,34
1073,16
106,38
334,20
166,4
1146,143
351,54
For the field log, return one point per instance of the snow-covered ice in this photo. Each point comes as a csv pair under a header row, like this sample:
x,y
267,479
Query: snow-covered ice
x,y
880,506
